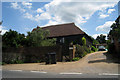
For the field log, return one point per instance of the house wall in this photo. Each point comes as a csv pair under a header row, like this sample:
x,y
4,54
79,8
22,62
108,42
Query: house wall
x,y
76,39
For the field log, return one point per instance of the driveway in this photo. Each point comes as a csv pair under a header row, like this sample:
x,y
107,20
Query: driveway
x,y
94,63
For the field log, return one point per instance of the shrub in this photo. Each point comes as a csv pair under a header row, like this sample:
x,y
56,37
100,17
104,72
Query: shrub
x,y
2,63
81,51
84,54
16,62
75,59
84,41
86,49
93,49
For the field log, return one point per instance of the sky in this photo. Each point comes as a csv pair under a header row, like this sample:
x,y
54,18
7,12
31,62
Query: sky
x,y
92,17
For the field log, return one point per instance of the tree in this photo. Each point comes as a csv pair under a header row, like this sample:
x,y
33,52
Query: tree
x,y
39,38
1,30
101,39
115,31
13,39
83,41
95,42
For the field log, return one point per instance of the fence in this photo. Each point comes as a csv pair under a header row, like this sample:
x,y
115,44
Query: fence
x,y
30,54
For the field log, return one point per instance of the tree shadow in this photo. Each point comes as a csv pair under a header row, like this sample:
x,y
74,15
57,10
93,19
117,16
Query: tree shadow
x,y
109,59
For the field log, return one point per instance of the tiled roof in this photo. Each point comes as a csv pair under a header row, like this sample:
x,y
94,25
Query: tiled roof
x,y
63,30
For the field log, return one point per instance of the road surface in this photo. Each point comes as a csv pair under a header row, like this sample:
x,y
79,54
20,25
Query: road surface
x,y
94,65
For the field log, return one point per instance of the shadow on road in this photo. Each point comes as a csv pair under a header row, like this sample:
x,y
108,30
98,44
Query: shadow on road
x,y
109,59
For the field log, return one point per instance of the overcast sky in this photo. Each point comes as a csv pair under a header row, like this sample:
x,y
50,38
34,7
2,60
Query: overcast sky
x,y
92,17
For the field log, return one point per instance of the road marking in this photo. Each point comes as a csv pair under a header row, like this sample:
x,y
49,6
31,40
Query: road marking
x,y
109,74
15,70
38,72
70,73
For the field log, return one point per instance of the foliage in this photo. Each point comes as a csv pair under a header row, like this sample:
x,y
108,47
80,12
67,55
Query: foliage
x,y
101,39
81,51
39,38
115,31
35,38
84,54
93,48
83,41
86,49
75,59
95,42
113,34
2,63
13,39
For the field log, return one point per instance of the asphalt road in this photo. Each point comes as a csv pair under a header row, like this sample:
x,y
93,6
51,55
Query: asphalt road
x,y
99,68
28,74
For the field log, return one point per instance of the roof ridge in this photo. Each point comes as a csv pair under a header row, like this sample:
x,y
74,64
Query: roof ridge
x,y
58,25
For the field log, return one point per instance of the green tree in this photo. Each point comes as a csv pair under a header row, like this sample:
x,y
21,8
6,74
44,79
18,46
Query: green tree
x,y
95,42
13,39
39,38
101,39
115,31
83,41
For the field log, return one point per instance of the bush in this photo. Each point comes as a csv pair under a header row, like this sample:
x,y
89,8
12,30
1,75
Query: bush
x,y
16,62
2,63
93,49
83,41
75,59
84,54
87,49
81,51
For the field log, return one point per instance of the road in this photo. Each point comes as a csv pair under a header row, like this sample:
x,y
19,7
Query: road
x,y
94,65
28,74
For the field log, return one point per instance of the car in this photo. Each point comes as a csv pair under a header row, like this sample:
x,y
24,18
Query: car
x,y
101,48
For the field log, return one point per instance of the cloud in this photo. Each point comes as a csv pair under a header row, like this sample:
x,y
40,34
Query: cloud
x,y
105,27
95,35
28,16
111,10
15,5
104,16
77,12
27,4
39,10
65,12
3,30
104,13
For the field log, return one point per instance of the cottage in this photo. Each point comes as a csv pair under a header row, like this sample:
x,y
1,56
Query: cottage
x,y
67,33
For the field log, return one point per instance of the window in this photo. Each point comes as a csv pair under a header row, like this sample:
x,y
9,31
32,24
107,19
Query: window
x,y
112,41
119,40
62,40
